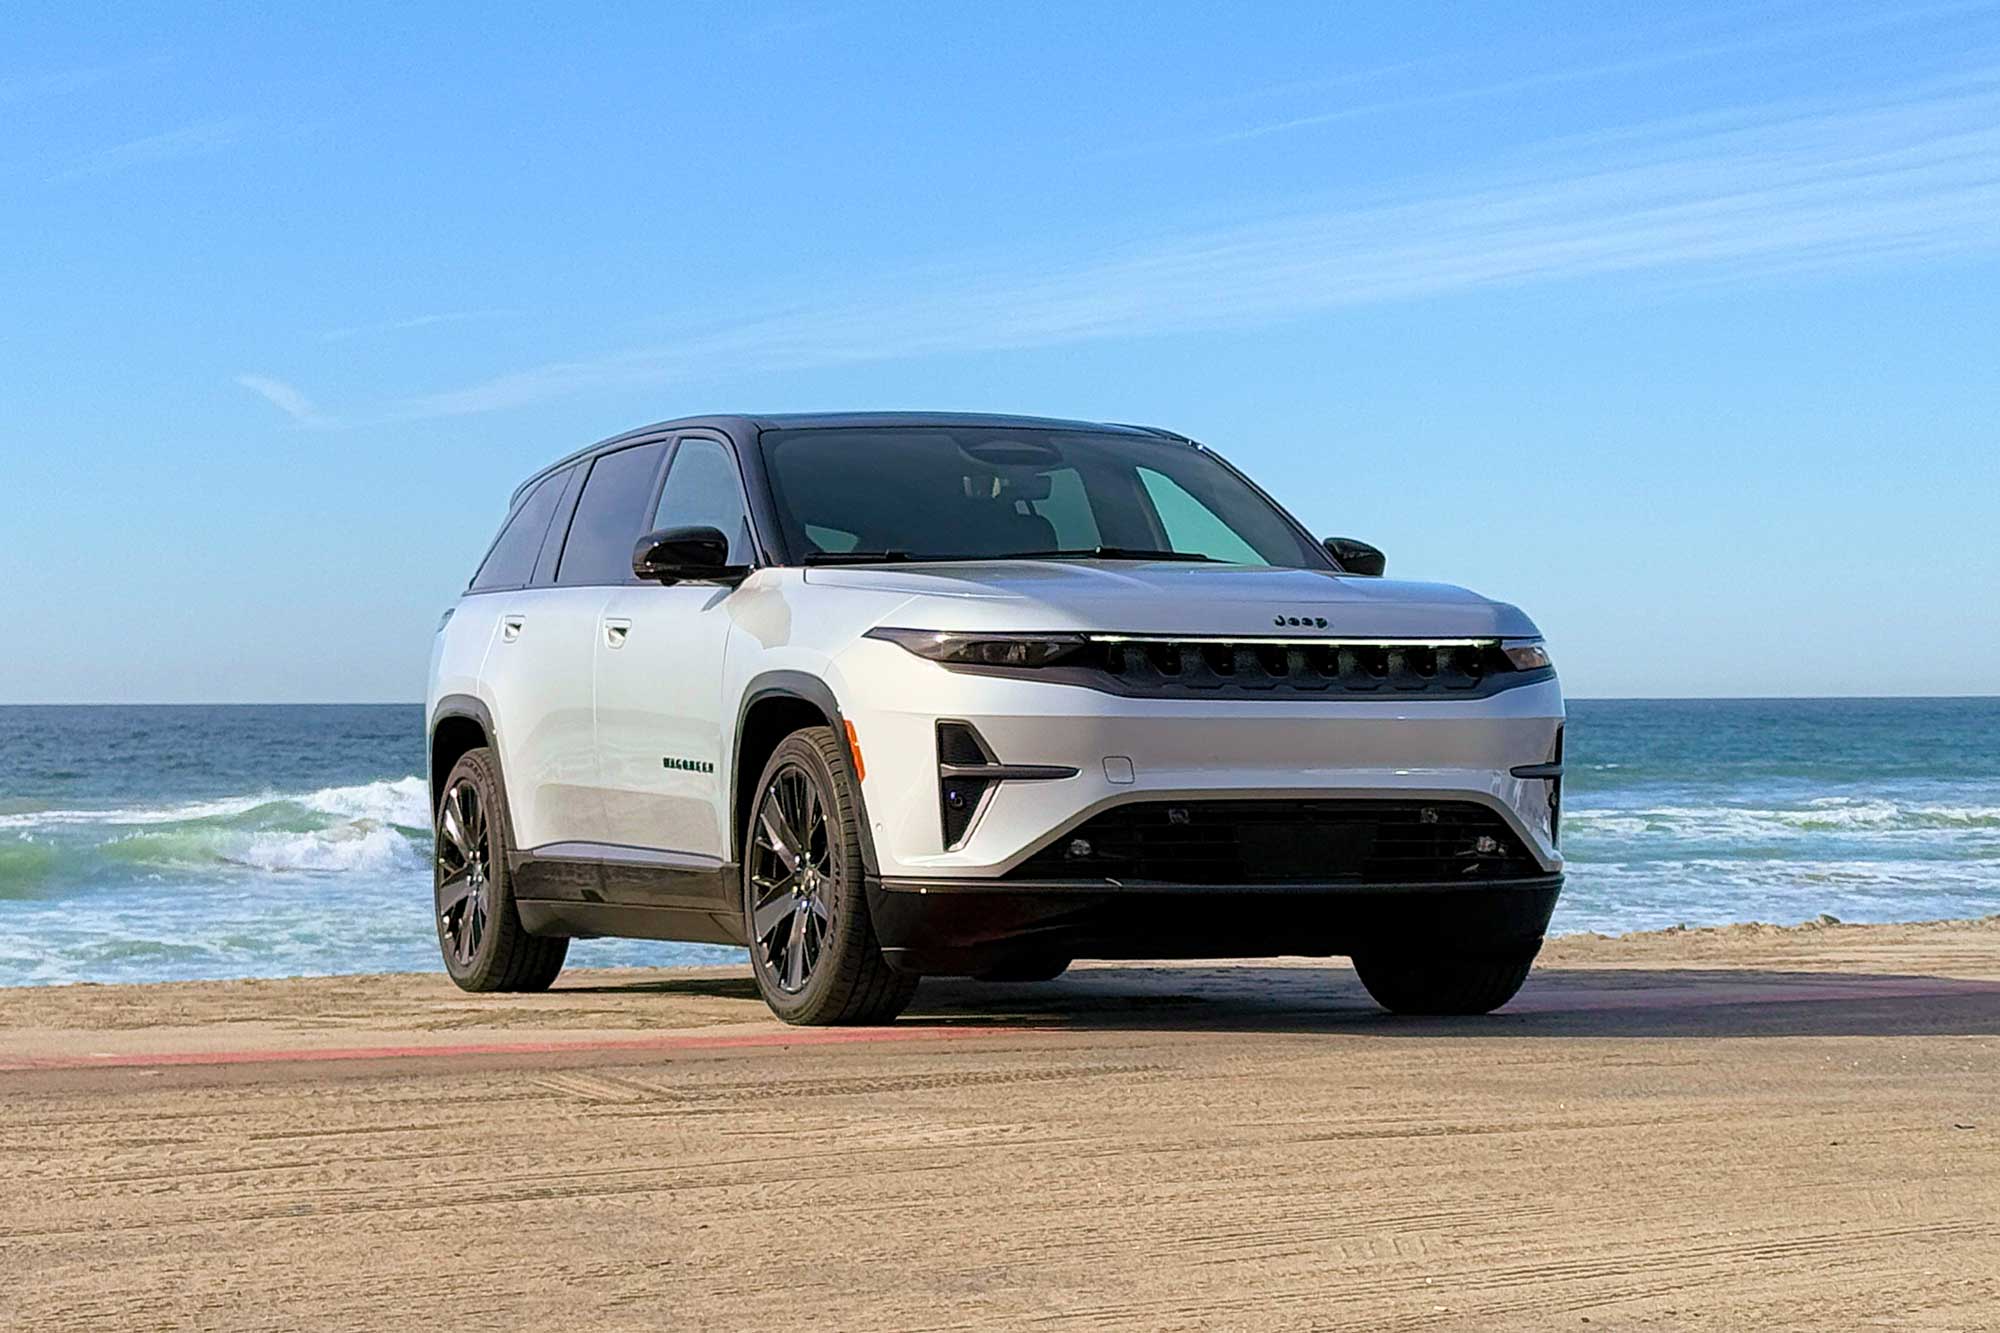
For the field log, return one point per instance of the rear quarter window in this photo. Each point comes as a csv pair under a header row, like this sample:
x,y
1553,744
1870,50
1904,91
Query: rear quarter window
x,y
511,560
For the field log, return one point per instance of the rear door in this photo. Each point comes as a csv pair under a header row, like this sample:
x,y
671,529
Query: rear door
x,y
504,598
538,673
661,724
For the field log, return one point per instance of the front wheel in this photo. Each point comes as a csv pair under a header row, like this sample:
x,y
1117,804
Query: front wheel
x,y
1444,984
805,896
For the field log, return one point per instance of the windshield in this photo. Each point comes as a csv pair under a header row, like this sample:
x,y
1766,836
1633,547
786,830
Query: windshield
x,y
983,492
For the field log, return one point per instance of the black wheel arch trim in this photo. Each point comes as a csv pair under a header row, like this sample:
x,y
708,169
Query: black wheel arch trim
x,y
808,689
459,706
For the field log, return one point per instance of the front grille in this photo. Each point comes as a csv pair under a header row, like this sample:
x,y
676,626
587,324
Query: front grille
x,y
1251,668
1286,842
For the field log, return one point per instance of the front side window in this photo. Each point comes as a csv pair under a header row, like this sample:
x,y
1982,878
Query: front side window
x,y
512,559
703,491
983,492
610,517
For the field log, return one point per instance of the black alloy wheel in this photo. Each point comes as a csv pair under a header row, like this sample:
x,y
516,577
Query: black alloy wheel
x,y
791,873
805,895
464,894
485,946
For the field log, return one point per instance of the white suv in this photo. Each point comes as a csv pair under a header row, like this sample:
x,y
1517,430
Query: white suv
x,y
891,695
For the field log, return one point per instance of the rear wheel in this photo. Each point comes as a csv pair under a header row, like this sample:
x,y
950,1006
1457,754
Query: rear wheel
x,y
805,898
1447,984
485,946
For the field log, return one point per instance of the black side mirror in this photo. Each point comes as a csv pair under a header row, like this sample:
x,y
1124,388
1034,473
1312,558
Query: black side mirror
x,y
1356,557
685,555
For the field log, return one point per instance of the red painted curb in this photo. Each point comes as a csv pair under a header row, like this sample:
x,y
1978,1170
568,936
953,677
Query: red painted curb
x,y
677,1042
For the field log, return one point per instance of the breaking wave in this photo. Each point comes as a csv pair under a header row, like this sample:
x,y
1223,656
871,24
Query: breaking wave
x,y
375,828
1820,816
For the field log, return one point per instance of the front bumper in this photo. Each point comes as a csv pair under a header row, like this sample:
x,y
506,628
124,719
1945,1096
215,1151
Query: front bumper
x,y
956,927
1148,749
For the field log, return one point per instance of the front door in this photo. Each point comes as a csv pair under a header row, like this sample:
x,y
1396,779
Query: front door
x,y
661,730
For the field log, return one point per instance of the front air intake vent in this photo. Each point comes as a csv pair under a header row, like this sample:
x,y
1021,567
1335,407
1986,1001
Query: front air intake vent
x,y
960,792
967,774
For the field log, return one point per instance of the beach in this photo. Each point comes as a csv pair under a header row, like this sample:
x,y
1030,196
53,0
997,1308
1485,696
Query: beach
x,y
1713,1128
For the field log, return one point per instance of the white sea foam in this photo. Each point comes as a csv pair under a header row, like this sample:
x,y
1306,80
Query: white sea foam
x,y
364,846
1820,816
184,812
372,830
405,801
1614,896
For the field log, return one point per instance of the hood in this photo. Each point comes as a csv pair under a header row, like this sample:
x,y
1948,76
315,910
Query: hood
x,y
1171,597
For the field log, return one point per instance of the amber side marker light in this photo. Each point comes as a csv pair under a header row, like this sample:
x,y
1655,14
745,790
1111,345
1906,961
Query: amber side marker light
x,y
854,748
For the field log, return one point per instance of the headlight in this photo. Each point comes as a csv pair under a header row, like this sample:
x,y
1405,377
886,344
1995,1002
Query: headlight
x,y
1007,650
1525,654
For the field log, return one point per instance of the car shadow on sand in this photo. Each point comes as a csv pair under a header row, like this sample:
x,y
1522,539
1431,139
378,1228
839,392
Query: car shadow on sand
x,y
707,987
1556,1002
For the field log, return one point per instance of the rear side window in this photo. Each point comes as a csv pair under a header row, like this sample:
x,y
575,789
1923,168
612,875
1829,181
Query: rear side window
x,y
512,559
610,517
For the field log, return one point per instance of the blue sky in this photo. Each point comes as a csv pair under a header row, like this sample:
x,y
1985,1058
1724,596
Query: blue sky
x,y
1679,326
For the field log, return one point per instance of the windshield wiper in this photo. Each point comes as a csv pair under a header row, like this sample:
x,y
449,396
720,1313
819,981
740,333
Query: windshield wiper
x,y
855,557
1103,553
898,556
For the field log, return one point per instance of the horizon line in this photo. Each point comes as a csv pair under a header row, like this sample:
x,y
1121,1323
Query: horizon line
x,y
1567,698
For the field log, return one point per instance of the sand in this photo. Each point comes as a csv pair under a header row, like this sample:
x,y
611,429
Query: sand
x,y
1734,1129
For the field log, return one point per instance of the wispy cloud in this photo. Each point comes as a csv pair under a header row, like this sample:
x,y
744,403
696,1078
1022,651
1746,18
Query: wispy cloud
x,y
1743,44
1915,175
413,322
286,399
80,78
172,145
796,21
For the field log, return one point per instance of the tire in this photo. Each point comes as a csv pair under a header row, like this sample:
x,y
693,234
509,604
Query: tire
x,y
1042,969
1413,984
477,891
816,961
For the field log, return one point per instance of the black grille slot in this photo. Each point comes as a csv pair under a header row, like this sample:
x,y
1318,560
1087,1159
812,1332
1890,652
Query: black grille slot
x,y
1259,668
1287,842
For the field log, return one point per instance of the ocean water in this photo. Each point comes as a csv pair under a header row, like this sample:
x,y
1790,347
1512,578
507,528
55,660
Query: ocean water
x,y
153,843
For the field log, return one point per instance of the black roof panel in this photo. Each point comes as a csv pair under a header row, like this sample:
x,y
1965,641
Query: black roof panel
x,y
863,420
740,425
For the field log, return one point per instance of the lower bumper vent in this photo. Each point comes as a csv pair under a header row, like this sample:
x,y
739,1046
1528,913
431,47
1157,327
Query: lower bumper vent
x,y
1286,842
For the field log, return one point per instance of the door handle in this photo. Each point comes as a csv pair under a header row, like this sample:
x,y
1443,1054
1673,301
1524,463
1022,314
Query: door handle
x,y
510,628
615,632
